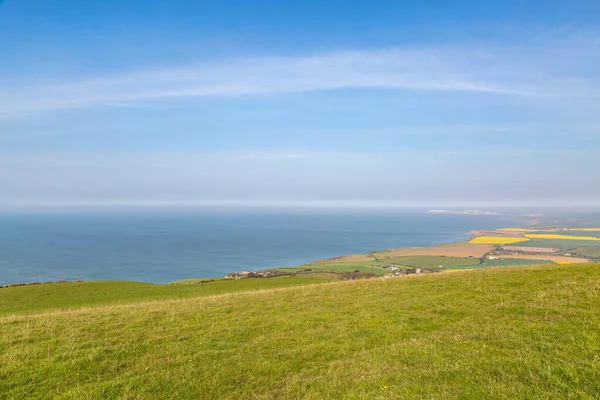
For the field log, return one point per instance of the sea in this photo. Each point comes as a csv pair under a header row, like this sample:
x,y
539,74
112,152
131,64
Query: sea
x,y
165,246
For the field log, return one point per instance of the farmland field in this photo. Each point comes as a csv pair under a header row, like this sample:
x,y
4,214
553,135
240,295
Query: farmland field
x,y
591,251
558,243
560,237
545,257
497,240
460,249
362,266
530,249
593,234
433,261
513,261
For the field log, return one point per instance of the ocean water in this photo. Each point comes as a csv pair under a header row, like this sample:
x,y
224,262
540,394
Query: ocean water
x,y
162,247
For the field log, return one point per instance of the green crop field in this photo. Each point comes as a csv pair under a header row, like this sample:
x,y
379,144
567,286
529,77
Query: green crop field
x,y
76,294
526,332
433,261
513,261
362,266
592,251
557,243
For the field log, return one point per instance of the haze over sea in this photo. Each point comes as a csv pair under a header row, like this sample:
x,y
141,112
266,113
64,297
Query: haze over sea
x,y
162,247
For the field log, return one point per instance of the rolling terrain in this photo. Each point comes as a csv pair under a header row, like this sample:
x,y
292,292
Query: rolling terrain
x,y
522,332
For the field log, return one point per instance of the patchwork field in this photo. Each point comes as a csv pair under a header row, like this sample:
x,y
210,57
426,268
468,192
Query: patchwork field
x,y
497,239
460,249
561,237
531,249
513,262
587,251
433,261
545,257
363,266
558,243
497,333
593,234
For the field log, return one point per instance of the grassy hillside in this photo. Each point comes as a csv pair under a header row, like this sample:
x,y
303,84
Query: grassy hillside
x,y
77,294
526,332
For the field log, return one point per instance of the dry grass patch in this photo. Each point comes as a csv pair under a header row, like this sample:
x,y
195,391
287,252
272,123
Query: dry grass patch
x,y
547,258
531,249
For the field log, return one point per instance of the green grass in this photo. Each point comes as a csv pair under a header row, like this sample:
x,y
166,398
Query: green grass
x,y
508,262
556,243
362,266
513,261
501,333
77,294
587,251
433,261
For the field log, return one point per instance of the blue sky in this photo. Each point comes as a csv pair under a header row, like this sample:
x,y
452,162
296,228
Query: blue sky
x,y
382,103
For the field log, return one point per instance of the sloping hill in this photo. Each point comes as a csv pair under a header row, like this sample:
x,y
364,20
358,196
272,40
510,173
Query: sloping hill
x,y
526,332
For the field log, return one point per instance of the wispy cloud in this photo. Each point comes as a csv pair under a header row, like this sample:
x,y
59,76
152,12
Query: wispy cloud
x,y
501,72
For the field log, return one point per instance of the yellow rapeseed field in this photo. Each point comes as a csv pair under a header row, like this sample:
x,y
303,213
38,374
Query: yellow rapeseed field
x,y
497,240
565,237
563,262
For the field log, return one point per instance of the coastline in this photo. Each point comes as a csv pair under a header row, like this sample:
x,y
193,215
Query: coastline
x,y
442,256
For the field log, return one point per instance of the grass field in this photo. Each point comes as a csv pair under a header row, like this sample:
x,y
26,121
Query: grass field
x,y
362,266
433,261
527,332
77,294
513,261
553,257
587,251
497,240
460,249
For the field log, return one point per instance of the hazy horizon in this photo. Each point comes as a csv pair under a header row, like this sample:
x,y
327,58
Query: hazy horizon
x,y
305,104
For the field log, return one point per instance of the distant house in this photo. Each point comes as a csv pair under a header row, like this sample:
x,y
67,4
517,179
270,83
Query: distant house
x,y
493,258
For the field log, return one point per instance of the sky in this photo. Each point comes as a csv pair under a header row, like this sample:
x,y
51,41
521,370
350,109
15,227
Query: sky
x,y
320,103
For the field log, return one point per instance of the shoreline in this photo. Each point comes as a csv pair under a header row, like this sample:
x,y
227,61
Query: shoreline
x,y
423,258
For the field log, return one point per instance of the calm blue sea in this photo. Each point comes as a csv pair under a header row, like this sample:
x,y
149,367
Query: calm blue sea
x,y
163,247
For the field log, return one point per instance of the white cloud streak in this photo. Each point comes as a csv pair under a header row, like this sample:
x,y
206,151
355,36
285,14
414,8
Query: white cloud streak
x,y
509,73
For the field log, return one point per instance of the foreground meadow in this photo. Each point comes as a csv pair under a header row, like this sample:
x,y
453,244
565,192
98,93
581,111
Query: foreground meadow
x,y
526,332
